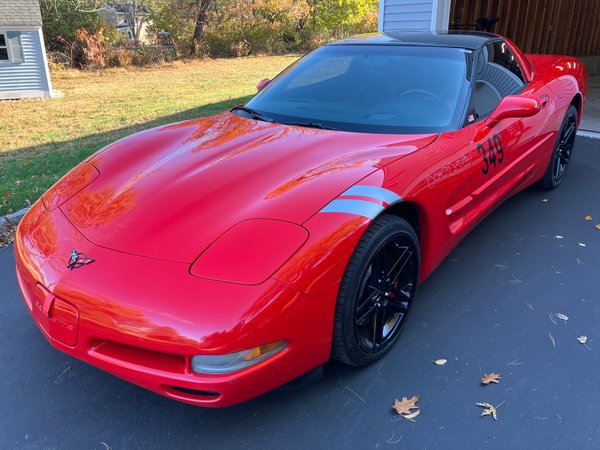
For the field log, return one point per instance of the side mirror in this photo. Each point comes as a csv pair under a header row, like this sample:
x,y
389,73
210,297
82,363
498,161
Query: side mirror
x,y
513,106
262,84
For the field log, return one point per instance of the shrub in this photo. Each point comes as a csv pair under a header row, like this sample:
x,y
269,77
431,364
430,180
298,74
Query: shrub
x,y
131,55
62,21
89,50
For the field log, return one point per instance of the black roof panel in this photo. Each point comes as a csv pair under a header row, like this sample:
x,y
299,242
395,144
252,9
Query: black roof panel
x,y
461,39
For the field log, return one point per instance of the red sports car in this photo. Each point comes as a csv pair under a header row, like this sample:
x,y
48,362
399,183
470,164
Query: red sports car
x,y
215,259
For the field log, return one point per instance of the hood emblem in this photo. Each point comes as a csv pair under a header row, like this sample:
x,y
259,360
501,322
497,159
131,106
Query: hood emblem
x,y
78,260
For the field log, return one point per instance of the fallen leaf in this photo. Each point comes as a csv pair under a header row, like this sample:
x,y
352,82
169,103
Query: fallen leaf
x,y
404,406
413,415
440,362
491,378
588,218
582,339
489,410
561,316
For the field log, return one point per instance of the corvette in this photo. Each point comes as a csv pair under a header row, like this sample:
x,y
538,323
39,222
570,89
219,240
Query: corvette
x,y
215,259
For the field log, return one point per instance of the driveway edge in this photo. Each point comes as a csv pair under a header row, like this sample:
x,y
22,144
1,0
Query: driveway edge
x,y
12,220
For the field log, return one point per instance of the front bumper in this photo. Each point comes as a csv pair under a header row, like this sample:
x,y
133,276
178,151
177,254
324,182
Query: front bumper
x,y
143,319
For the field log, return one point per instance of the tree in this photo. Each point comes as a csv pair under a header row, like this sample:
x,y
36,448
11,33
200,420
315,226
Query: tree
x,y
203,7
185,21
174,18
342,17
71,5
136,17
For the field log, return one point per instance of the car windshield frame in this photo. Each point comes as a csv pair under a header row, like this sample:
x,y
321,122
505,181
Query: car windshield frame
x,y
265,101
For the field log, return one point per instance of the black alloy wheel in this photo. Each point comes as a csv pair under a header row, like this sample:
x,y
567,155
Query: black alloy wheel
x,y
377,291
563,150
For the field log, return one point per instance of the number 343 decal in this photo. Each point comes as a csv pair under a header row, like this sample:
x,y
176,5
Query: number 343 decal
x,y
492,155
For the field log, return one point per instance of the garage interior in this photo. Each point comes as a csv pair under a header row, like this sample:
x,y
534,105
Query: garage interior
x,y
568,27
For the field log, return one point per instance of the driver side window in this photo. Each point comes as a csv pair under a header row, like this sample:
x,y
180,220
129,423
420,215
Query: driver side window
x,y
497,75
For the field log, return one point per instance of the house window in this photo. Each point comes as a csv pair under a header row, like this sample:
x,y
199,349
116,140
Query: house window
x,y
3,48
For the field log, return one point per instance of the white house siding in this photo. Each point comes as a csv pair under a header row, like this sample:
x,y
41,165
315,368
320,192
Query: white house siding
x,y
413,15
404,15
27,79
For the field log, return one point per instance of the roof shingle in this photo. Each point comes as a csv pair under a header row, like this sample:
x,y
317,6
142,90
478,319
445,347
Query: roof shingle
x,y
20,13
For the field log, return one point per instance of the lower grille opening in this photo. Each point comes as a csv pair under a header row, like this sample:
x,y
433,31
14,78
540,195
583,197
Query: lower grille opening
x,y
116,352
194,392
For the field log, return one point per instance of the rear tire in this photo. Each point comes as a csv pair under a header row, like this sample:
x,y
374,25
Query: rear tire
x,y
562,152
376,292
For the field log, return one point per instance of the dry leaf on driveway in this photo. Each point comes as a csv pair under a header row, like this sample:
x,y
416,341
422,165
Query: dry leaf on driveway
x,y
489,410
491,378
404,407
413,415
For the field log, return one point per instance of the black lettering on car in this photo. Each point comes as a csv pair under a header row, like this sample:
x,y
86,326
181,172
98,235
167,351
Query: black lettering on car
x,y
493,155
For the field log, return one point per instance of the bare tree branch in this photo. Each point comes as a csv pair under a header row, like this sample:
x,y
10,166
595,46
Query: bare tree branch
x,y
85,6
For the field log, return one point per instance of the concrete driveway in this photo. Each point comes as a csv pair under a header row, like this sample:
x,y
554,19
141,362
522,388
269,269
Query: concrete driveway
x,y
486,309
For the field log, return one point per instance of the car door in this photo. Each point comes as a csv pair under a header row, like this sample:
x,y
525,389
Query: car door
x,y
498,151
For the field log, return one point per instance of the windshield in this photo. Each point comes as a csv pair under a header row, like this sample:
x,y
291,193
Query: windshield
x,y
370,89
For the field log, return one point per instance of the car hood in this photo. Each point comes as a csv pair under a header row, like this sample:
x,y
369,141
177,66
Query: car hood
x,y
169,192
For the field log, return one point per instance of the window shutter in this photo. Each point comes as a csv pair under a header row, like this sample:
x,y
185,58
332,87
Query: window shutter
x,y
15,48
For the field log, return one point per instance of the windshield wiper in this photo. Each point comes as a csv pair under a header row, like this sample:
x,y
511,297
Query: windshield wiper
x,y
253,113
320,126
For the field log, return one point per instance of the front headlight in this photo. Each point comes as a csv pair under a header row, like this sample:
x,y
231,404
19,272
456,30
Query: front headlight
x,y
232,362
69,185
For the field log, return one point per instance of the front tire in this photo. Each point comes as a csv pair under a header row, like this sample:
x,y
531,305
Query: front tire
x,y
376,292
563,149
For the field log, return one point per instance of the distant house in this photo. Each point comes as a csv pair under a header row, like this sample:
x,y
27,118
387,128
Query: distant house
x,y
413,15
23,64
129,18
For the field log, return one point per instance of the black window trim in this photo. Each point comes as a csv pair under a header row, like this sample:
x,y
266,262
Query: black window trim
x,y
524,80
473,80
7,47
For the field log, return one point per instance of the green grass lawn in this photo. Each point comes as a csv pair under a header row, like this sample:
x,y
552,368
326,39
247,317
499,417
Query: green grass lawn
x,y
40,140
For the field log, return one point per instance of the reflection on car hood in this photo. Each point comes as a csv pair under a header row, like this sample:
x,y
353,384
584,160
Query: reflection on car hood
x,y
169,192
